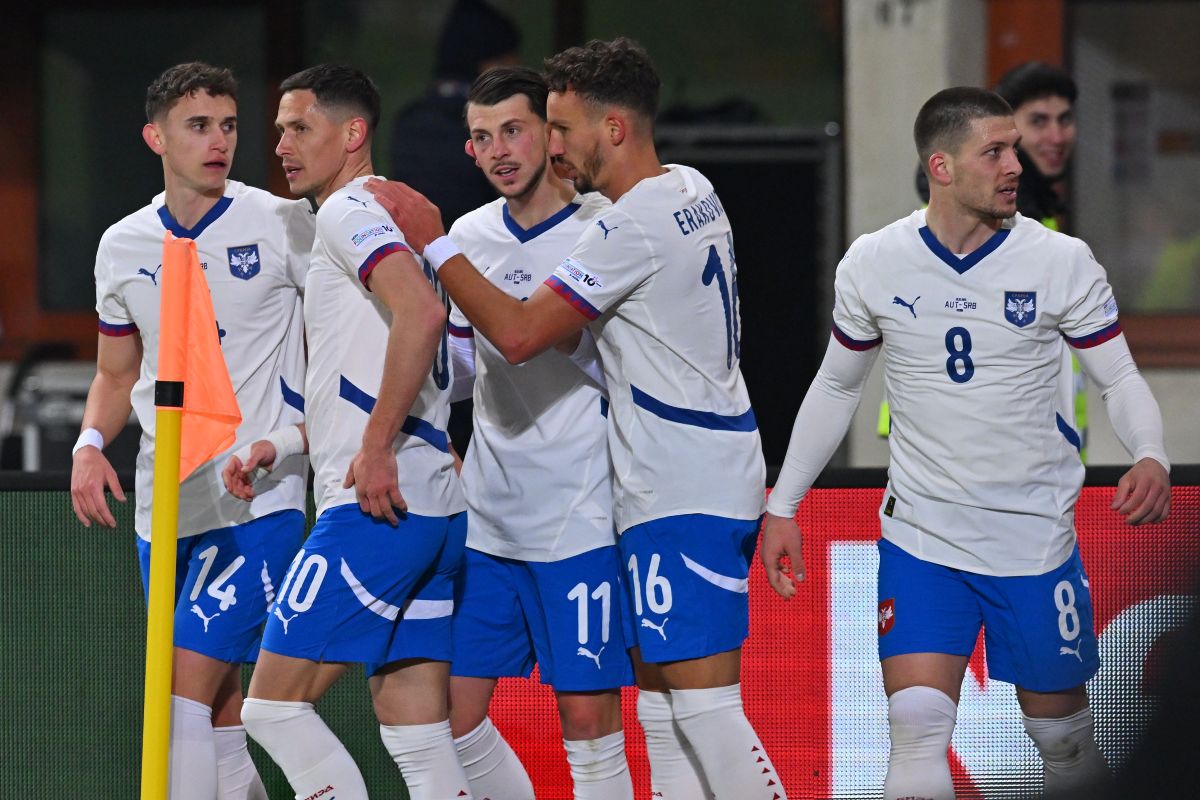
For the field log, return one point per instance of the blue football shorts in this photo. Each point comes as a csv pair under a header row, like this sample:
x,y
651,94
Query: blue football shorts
x,y
565,615
1038,629
687,585
357,581
225,580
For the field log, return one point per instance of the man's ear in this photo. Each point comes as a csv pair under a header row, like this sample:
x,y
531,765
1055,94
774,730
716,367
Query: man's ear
x,y
469,149
153,138
356,134
940,170
617,127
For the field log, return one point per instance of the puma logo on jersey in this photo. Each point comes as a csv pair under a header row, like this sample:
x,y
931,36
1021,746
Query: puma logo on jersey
x,y
583,651
362,203
896,301
1067,651
196,610
153,276
648,624
283,619
607,230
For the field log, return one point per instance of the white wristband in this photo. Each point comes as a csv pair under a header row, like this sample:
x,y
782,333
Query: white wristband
x,y
439,251
88,437
287,441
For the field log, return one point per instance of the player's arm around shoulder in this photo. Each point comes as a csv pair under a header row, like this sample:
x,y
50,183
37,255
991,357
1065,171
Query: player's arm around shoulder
x,y
118,364
418,320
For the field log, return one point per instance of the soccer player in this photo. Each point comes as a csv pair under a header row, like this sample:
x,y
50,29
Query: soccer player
x,y
969,301
374,580
656,278
541,576
254,249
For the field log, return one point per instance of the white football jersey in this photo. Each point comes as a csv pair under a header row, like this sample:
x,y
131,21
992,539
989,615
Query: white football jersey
x,y
985,466
536,475
657,275
254,249
347,330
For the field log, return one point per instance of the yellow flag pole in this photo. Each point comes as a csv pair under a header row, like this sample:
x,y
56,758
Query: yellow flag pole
x,y
164,518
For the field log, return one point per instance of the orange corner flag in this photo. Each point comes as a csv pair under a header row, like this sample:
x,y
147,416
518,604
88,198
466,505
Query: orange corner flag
x,y
189,352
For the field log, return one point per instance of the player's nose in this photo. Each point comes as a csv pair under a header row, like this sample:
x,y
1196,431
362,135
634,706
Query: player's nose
x,y
556,144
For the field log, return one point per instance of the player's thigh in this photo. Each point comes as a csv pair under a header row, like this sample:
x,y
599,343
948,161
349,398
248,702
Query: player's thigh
x,y
1041,634
350,583
936,670
470,699
231,574
687,585
201,678
289,679
490,637
411,692
923,609
573,610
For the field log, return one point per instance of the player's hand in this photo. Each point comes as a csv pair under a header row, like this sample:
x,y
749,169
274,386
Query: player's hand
x,y
781,554
372,473
1144,493
239,475
90,473
418,219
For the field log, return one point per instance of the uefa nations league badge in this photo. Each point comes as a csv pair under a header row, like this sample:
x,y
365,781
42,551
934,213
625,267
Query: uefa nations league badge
x,y
1020,308
243,261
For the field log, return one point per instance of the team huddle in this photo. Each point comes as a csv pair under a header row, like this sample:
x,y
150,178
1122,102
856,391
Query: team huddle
x,y
604,518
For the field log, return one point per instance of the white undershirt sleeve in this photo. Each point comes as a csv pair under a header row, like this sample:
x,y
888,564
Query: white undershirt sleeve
x,y
822,421
1131,407
462,358
587,358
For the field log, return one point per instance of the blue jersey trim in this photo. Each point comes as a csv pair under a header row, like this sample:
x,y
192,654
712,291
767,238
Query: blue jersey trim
x,y
604,406
413,426
291,396
460,331
1069,433
209,218
854,344
961,265
109,329
1099,337
372,261
549,222
573,297
744,422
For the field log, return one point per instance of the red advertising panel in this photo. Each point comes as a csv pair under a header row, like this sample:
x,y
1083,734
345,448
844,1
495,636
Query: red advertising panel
x,y
811,678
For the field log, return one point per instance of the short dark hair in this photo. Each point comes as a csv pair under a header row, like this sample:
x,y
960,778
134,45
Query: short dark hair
x,y
945,119
619,73
339,86
500,83
184,80
1034,80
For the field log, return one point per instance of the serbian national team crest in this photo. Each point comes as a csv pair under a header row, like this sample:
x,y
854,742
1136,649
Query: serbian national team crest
x,y
1020,308
887,615
243,261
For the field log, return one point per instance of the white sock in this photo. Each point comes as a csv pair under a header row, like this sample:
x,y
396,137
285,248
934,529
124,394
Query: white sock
x,y
237,777
1070,758
599,768
310,756
730,753
922,721
491,766
427,760
674,770
192,767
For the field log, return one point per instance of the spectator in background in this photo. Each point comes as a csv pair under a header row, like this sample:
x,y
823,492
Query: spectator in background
x,y
428,136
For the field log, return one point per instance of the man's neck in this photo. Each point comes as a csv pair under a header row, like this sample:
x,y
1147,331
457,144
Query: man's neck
x,y
959,229
188,206
640,165
352,169
549,197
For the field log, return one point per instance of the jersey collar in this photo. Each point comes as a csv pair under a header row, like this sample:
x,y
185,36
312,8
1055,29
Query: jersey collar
x,y
961,265
524,235
209,218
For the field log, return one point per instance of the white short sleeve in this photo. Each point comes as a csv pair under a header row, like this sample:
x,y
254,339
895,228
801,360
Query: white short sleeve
x,y
115,319
610,260
359,235
853,323
1090,315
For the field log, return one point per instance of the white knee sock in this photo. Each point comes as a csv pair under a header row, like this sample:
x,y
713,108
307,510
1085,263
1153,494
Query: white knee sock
x,y
306,750
733,759
1070,758
427,760
599,768
237,777
193,761
675,772
922,721
491,766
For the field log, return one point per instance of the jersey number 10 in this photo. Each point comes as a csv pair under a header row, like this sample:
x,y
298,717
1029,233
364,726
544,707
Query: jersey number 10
x,y
713,268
